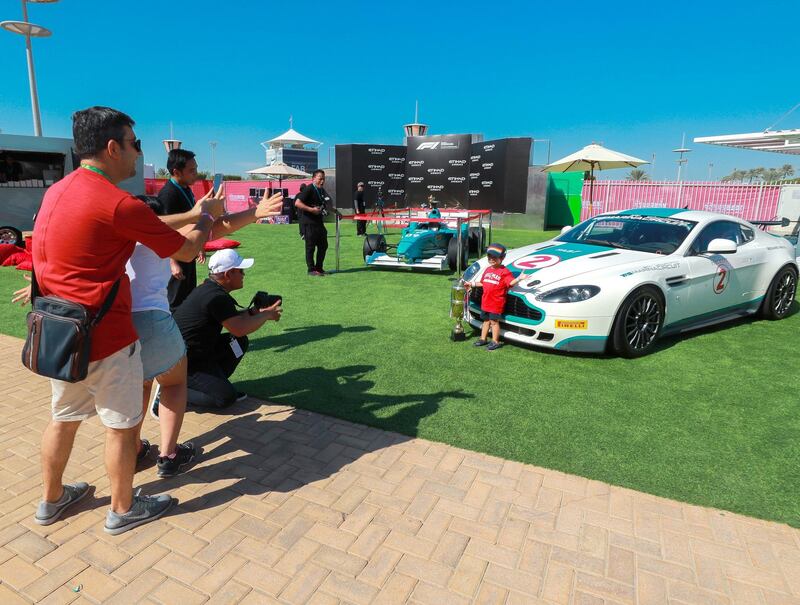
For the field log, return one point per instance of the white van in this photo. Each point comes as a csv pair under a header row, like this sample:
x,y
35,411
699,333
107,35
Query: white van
x,y
28,166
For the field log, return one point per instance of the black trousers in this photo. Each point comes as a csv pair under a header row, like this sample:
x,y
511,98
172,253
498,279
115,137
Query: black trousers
x,y
179,289
361,226
316,239
208,382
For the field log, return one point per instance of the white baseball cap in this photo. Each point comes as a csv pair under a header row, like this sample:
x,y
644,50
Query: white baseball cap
x,y
225,260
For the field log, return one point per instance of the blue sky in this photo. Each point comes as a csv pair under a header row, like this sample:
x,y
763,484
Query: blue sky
x,y
632,76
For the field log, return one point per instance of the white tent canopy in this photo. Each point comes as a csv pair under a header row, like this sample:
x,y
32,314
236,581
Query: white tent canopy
x,y
290,137
777,141
593,157
279,170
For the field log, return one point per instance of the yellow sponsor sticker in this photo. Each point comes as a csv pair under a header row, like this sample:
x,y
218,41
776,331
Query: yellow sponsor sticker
x,y
572,324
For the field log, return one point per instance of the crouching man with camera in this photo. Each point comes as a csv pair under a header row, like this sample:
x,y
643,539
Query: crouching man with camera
x,y
213,355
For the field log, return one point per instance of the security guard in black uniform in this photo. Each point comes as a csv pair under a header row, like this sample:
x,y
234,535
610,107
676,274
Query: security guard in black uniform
x,y
312,205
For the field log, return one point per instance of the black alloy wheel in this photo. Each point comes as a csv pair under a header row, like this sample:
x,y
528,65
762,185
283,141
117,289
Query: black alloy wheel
x,y
780,295
638,323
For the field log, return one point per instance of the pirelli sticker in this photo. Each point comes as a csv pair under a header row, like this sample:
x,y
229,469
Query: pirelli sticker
x,y
572,324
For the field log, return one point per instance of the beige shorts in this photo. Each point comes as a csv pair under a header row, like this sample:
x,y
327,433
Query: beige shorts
x,y
112,390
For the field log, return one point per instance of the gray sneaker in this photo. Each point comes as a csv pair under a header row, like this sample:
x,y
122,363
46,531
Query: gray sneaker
x,y
143,510
49,512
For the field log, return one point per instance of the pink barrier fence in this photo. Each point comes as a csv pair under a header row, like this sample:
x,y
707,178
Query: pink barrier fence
x,y
750,202
153,186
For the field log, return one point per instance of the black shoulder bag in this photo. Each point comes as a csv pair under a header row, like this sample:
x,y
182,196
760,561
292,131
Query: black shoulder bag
x,y
60,335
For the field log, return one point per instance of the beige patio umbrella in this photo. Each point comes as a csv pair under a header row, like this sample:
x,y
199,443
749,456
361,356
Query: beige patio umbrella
x,y
593,157
280,171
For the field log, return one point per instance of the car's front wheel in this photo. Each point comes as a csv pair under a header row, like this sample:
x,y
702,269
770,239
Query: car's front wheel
x,y
10,235
780,295
374,242
638,323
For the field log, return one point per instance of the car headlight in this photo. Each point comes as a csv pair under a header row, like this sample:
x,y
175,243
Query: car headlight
x,y
568,294
471,271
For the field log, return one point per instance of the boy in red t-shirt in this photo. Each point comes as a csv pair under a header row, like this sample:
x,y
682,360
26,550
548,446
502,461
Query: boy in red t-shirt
x,y
496,280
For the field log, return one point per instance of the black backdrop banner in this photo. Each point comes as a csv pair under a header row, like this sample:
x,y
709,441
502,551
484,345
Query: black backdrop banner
x,y
490,174
380,167
498,174
438,165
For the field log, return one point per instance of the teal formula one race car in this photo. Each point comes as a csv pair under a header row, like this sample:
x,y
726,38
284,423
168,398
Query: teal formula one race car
x,y
426,244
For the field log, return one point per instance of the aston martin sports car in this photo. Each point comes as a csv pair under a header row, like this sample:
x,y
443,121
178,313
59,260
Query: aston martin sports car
x,y
619,281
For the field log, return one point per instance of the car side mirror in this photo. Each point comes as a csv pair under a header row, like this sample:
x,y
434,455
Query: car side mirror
x,y
565,228
722,246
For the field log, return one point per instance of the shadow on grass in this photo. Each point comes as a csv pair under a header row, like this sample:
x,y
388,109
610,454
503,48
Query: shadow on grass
x,y
295,337
255,452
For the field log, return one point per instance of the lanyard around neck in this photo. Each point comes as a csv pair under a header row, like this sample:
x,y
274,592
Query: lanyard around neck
x,y
183,191
96,170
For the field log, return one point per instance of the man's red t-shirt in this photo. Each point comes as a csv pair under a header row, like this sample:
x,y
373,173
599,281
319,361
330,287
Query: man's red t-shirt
x,y
84,234
495,282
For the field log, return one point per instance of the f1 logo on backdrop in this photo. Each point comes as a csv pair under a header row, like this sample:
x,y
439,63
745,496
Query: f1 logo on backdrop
x,y
429,145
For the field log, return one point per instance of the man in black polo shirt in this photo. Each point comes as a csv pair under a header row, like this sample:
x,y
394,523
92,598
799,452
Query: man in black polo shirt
x,y
212,354
310,204
176,197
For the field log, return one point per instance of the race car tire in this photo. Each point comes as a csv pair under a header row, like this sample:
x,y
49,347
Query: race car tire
x,y
374,242
10,235
638,323
452,254
477,234
780,295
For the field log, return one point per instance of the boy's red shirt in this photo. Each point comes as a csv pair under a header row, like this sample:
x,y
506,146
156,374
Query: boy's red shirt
x,y
495,281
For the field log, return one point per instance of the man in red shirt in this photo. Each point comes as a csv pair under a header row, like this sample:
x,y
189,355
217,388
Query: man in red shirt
x,y
85,232
496,281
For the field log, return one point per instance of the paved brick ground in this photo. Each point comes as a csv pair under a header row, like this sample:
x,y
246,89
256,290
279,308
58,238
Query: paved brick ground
x,y
288,506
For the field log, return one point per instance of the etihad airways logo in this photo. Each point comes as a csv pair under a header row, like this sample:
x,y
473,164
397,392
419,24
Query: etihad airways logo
x,y
474,192
437,145
376,166
394,160
376,183
475,158
488,147
415,179
376,150
487,183
457,162
396,191
416,163
474,175
456,179
435,170
396,175
487,165
435,187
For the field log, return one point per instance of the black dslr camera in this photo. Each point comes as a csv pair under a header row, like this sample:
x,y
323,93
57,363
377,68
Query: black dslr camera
x,y
262,300
323,209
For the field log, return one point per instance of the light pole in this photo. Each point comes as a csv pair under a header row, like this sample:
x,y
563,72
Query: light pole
x,y
213,145
29,30
710,168
171,143
681,160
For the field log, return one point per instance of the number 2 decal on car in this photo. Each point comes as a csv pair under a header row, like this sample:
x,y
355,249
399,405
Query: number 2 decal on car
x,y
721,279
536,261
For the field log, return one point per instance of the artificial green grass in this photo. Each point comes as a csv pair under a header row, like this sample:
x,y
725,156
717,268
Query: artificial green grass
x,y
711,418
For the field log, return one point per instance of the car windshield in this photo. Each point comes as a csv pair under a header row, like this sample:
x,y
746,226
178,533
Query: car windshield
x,y
656,234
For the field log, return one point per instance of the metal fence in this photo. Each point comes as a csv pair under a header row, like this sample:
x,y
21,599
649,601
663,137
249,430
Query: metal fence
x,y
752,202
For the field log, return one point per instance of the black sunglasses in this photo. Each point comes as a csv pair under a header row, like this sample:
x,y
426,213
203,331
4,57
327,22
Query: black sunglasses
x,y
137,144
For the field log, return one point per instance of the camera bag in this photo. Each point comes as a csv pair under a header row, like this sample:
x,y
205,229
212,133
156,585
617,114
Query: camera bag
x,y
59,335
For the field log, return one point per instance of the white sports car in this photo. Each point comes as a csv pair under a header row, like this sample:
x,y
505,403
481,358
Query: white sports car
x,y
621,280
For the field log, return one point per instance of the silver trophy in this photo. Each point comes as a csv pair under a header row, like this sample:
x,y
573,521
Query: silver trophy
x,y
458,310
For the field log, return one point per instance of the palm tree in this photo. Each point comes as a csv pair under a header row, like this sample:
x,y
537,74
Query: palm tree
x,y
638,175
162,173
754,173
786,171
771,175
735,176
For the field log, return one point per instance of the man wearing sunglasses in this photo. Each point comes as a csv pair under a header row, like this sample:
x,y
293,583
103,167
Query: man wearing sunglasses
x,y
84,234
213,354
